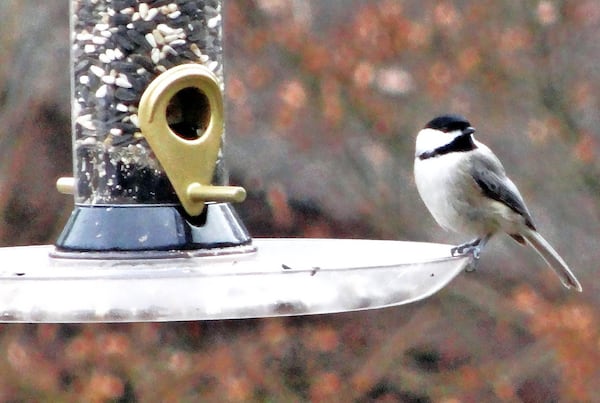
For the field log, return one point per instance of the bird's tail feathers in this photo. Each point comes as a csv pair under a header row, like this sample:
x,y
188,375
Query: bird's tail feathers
x,y
547,252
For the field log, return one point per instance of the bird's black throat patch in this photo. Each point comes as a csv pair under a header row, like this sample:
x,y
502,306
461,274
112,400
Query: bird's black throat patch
x,y
461,143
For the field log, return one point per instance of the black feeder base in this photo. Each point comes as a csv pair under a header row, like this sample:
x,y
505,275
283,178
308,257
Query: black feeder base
x,y
149,229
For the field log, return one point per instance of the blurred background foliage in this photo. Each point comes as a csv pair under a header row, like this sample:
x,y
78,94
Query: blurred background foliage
x,y
324,99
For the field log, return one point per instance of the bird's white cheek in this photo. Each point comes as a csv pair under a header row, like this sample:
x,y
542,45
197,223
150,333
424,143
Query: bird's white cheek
x,y
430,139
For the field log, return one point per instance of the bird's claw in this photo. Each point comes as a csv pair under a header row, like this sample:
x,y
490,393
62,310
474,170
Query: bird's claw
x,y
470,248
467,249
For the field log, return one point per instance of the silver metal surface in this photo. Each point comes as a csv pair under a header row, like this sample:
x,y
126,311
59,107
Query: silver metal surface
x,y
280,277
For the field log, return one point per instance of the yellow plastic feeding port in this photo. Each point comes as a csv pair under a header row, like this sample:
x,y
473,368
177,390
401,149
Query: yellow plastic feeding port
x,y
187,156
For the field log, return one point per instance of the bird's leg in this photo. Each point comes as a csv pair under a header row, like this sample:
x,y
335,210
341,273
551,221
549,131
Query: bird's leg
x,y
473,248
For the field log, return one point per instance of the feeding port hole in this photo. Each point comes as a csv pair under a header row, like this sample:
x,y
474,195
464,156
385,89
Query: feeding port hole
x,y
188,113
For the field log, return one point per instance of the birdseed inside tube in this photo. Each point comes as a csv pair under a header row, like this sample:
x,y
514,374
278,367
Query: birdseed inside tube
x,y
118,48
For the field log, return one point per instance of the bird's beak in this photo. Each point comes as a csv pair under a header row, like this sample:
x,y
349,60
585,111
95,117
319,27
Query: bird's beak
x,y
468,130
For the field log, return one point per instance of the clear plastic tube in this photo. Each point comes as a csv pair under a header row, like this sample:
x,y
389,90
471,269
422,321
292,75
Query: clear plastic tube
x,y
118,48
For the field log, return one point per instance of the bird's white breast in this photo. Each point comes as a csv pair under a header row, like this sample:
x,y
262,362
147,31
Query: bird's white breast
x,y
439,184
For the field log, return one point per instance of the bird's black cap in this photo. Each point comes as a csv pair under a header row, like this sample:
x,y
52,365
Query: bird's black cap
x,y
448,123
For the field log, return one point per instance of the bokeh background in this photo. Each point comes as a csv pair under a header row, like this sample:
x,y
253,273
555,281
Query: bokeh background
x,y
324,99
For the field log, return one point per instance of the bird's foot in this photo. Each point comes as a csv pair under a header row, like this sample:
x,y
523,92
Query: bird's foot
x,y
472,248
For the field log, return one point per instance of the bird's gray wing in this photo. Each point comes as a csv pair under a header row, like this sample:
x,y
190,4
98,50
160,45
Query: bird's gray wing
x,y
490,177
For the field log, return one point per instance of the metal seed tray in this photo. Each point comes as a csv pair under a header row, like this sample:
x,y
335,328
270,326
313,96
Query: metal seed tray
x,y
272,277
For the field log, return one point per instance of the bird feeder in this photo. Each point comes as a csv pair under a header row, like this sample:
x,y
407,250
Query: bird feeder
x,y
153,235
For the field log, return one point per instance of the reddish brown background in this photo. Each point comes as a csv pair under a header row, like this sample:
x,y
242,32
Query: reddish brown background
x,y
324,100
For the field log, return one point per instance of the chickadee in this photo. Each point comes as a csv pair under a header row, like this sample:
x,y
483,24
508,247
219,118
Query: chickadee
x,y
464,186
